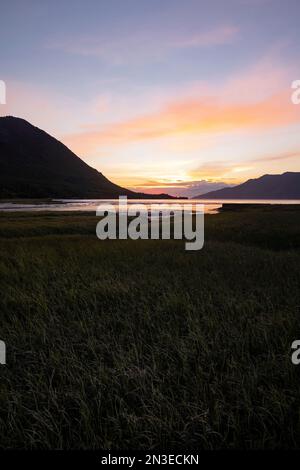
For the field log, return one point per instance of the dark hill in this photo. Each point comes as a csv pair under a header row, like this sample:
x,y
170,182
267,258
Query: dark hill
x,y
35,165
285,186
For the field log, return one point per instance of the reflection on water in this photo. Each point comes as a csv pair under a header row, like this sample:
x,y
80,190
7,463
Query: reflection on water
x,y
210,206
91,205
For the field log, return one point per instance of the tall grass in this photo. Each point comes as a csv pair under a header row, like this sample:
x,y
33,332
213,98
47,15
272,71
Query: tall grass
x,y
140,344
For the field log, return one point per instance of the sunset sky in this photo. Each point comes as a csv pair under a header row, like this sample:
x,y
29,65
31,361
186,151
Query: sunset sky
x,y
160,96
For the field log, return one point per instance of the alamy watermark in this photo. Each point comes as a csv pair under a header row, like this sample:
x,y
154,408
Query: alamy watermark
x,y
2,353
296,93
296,354
2,92
155,221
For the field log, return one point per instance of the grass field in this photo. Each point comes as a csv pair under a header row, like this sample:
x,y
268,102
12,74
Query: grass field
x,y
140,344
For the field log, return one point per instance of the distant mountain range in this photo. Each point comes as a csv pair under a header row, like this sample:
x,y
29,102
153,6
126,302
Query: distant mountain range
x,y
35,165
285,186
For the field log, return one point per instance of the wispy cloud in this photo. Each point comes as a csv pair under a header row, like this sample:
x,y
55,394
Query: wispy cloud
x,y
214,37
279,157
188,117
142,45
212,170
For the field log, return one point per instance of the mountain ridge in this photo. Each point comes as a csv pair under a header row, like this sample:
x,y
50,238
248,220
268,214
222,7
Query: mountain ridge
x,y
33,164
279,186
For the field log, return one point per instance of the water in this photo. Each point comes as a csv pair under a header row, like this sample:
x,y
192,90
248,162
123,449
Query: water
x,y
90,205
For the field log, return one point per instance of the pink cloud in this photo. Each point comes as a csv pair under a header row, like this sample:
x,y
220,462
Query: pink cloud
x,y
189,117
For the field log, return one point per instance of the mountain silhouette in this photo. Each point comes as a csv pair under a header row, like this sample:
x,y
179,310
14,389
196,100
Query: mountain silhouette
x,y
285,186
34,164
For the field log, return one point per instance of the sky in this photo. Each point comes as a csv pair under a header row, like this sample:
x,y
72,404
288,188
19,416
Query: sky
x,y
172,96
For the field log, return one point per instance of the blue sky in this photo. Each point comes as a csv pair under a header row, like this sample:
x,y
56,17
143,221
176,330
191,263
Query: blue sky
x,y
159,95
